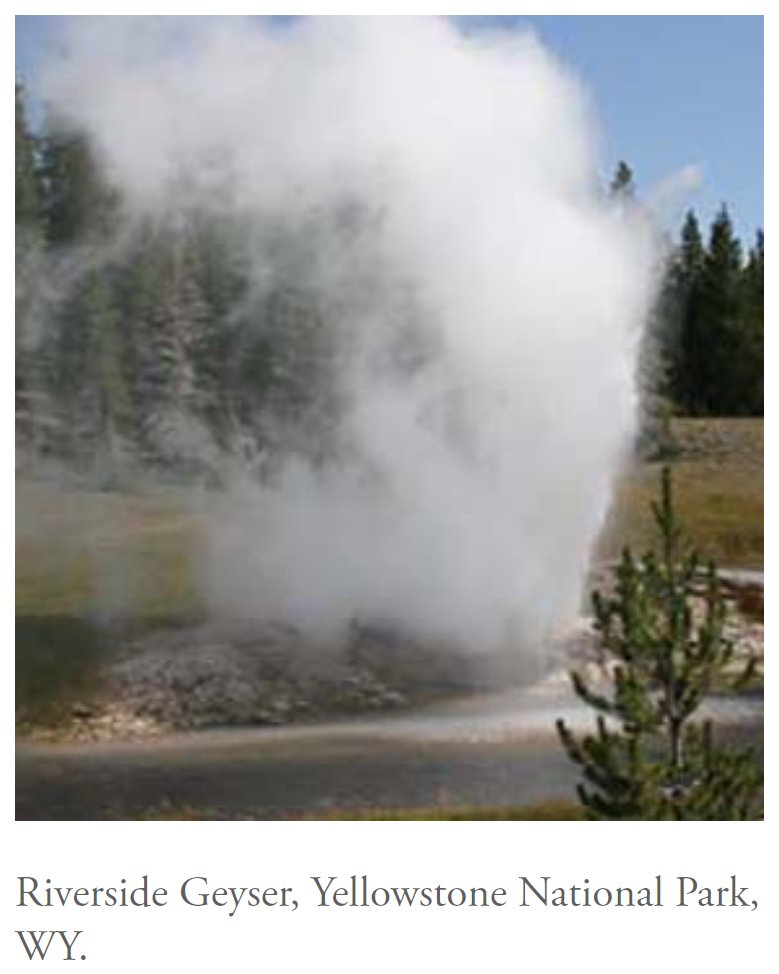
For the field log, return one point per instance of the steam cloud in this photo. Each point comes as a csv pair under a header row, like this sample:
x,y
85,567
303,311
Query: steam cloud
x,y
468,487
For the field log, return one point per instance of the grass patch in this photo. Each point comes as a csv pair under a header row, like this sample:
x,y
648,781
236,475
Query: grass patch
x,y
82,553
137,556
548,811
718,492
58,661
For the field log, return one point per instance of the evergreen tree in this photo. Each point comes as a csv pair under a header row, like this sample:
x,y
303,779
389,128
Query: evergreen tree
x,y
661,653
721,310
78,205
218,253
622,184
712,333
32,406
141,283
753,273
751,364
287,376
176,421
692,251
28,188
684,334
91,379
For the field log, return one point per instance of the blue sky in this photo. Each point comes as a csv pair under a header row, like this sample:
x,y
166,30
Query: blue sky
x,y
674,91
669,92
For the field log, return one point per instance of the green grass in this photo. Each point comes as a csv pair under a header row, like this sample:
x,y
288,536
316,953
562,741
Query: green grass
x,y
90,565
718,492
548,811
80,553
136,556
57,662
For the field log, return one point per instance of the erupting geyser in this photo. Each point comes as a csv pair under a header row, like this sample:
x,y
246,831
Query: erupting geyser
x,y
480,297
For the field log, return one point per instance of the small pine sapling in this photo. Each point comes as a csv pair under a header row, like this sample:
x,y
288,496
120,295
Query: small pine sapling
x,y
662,645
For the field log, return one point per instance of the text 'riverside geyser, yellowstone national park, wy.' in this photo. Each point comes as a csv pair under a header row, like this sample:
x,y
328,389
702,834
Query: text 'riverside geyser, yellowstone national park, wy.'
x,y
361,891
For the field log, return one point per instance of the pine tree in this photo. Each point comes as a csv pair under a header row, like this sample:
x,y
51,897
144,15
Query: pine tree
x,y
79,206
712,322
141,280
300,390
721,312
662,646
684,335
282,367
750,378
32,406
622,184
28,188
753,273
91,379
176,416
217,248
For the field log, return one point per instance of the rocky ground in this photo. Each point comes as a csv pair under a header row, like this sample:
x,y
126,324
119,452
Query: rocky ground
x,y
205,675
209,675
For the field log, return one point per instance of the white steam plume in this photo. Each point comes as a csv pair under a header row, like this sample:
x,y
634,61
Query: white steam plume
x,y
470,489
